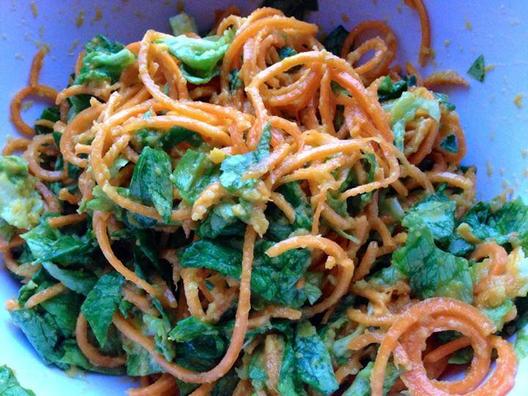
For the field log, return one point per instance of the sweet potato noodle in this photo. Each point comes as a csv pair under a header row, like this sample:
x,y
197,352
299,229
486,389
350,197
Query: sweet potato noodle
x,y
325,119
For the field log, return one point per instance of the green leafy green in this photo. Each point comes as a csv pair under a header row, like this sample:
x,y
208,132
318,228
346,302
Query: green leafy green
x,y
166,140
293,8
139,361
477,70
432,271
78,280
101,304
361,384
193,173
314,366
234,80
280,228
256,372
289,382
189,328
450,144
521,343
498,314
222,220
198,345
274,279
41,332
49,244
52,114
403,110
226,385
182,23
199,57
104,60
286,52
9,385
77,104
20,203
234,168
389,89
505,224
159,327
64,309
443,99
335,39
436,212
151,181
213,256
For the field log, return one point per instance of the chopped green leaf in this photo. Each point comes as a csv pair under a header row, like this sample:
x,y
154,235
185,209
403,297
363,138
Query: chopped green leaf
x,y
139,361
101,303
40,331
431,271
437,212
450,144
182,23
477,69
151,181
52,114
286,52
20,203
193,173
159,328
443,99
234,168
403,110
199,57
234,80
521,343
314,366
9,385
361,384
222,220
79,281
498,314
166,140
388,89
49,244
335,39
293,8
273,279
189,328
104,60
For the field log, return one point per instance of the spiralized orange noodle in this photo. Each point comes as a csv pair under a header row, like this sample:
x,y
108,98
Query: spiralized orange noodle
x,y
284,186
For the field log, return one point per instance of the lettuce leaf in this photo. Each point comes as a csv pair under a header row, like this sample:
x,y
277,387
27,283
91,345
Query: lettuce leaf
x,y
199,57
49,244
101,304
403,110
432,271
104,60
234,168
193,173
314,365
151,181
182,23
274,279
9,385
20,203
293,8
437,212
335,39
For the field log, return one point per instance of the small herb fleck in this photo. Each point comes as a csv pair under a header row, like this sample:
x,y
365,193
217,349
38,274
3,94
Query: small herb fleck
x,y
34,9
478,69
79,21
